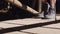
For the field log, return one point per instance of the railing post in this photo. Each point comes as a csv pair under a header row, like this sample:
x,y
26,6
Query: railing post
x,y
39,6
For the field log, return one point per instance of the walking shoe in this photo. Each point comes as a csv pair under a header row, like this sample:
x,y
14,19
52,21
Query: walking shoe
x,y
51,14
41,14
45,9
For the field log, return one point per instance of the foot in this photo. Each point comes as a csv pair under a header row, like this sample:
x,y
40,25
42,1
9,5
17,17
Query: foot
x,y
51,14
41,14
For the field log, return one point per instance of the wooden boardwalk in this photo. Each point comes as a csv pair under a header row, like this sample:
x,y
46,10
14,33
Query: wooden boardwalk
x,y
30,26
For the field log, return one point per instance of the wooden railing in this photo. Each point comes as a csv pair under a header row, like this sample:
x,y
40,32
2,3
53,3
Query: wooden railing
x,y
25,7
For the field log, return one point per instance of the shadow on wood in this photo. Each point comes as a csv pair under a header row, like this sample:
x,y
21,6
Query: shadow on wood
x,y
24,27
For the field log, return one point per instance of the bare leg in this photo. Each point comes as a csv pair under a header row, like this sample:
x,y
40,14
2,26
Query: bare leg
x,y
52,3
52,10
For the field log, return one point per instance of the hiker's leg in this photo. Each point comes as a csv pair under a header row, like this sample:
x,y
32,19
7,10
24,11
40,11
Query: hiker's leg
x,y
44,8
52,10
52,3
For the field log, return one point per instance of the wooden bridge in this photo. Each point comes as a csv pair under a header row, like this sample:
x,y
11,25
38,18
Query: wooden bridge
x,y
30,26
24,6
